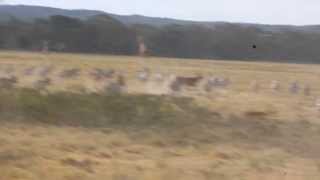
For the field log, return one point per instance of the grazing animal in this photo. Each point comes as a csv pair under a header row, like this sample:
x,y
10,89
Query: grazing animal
x,y
181,81
188,81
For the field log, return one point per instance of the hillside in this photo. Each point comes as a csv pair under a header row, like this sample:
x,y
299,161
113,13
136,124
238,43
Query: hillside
x,y
163,37
29,13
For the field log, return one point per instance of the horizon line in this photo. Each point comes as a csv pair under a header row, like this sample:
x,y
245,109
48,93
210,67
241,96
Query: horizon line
x,y
164,17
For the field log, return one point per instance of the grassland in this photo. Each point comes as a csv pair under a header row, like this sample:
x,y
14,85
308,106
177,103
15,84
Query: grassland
x,y
228,134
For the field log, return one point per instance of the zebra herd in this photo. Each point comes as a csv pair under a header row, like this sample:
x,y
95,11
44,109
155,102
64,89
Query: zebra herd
x,y
211,83
45,75
276,86
117,81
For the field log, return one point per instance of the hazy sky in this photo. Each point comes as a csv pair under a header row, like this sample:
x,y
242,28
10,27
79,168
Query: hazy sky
x,y
299,12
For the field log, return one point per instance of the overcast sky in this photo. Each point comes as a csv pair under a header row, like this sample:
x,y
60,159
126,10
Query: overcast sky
x,y
298,12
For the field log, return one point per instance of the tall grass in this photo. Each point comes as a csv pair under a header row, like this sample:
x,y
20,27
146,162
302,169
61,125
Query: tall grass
x,y
179,121
95,110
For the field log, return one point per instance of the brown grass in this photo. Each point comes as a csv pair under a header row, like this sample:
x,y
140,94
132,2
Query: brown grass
x,y
228,134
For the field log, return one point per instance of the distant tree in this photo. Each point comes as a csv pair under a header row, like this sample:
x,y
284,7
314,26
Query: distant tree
x,y
23,42
111,36
103,34
59,22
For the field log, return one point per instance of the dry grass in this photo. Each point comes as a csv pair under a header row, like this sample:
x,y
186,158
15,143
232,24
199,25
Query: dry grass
x,y
228,134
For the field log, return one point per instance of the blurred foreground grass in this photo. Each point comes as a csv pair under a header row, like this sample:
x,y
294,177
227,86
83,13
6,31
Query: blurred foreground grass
x,y
73,136
98,110
232,135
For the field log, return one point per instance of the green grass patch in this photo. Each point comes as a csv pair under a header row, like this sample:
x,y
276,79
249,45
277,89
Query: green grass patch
x,y
95,110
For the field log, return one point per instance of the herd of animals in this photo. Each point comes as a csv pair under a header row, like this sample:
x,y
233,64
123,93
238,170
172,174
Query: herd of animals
x,y
117,81
211,83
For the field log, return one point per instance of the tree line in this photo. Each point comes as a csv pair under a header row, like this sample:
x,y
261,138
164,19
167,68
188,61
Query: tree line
x,y
99,34
103,34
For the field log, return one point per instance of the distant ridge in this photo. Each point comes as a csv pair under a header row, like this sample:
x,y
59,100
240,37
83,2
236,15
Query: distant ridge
x,y
29,13
102,32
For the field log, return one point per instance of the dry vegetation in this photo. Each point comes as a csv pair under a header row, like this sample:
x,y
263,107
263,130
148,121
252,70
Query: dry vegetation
x,y
228,134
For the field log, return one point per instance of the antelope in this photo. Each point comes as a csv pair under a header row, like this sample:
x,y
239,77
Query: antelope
x,y
185,81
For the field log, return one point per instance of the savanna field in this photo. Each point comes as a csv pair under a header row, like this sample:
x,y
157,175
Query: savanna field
x,y
65,116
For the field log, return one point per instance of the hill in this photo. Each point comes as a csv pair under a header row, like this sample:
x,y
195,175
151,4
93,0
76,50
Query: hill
x,y
164,37
30,13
